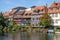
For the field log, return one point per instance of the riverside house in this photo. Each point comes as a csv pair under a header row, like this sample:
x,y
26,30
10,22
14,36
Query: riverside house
x,y
30,16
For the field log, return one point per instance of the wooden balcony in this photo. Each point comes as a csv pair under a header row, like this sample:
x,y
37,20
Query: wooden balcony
x,y
42,12
26,16
22,16
17,20
17,16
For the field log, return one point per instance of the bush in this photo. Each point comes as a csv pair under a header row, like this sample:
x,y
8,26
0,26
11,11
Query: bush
x,y
5,29
13,28
1,29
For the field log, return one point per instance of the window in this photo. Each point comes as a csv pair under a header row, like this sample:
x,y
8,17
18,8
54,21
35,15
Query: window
x,y
26,14
36,24
16,18
56,21
37,11
56,4
52,21
56,15
33,18
29,13
52,15
34,10
24,19
41,10
37,18
32,24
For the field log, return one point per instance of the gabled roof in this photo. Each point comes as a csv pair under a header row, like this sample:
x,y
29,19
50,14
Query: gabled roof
x,y
14,10
55,4
33,6
39,7
21,8
7,14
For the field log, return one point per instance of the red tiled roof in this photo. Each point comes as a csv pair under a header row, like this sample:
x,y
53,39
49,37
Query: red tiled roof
x,y
55,4
8,13
40,7
28,12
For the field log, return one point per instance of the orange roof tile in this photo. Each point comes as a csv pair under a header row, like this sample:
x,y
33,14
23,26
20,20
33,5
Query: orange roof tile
x,y
12,12
5,14
39,7
55,4
8,13
28,12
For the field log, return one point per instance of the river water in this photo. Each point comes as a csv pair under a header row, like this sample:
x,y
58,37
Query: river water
x,y
30,36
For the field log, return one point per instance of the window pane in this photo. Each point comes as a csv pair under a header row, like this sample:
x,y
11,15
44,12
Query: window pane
x,y
56,21
33,19
36,18
56,15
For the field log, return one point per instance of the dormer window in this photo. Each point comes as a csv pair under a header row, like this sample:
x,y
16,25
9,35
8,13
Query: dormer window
x,y
30,14
34,10
26,14
37,11
41,10
56,4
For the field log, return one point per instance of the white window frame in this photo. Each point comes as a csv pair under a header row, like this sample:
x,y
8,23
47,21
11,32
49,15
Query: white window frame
x,y
56,15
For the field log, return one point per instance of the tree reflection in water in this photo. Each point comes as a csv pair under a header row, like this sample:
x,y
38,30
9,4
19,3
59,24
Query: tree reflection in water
x,y
50,36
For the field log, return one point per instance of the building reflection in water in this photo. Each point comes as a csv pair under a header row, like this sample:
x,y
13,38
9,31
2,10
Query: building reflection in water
x,y
31,36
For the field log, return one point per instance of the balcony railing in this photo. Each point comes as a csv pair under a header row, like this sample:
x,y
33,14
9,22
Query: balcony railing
x,y
22,17
17,20
26,16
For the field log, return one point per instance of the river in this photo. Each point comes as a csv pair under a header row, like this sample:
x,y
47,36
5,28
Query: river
x,y
30,36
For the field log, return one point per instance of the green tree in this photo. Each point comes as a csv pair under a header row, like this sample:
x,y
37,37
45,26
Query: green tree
x,y
12,26
45,20
2,20
2,23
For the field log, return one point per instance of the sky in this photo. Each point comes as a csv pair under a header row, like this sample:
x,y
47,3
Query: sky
x,y
6,5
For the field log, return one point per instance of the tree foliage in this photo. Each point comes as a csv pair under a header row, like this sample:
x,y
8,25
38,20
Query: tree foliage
x,y
2,23
12,27
45,20
2,20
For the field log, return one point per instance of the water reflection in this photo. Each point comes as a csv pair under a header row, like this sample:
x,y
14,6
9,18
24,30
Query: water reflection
x,y
4,37
25,36
50,36
30,36
1,37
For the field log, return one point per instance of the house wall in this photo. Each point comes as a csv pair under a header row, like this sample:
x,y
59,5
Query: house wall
x,y
35,19
56,19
